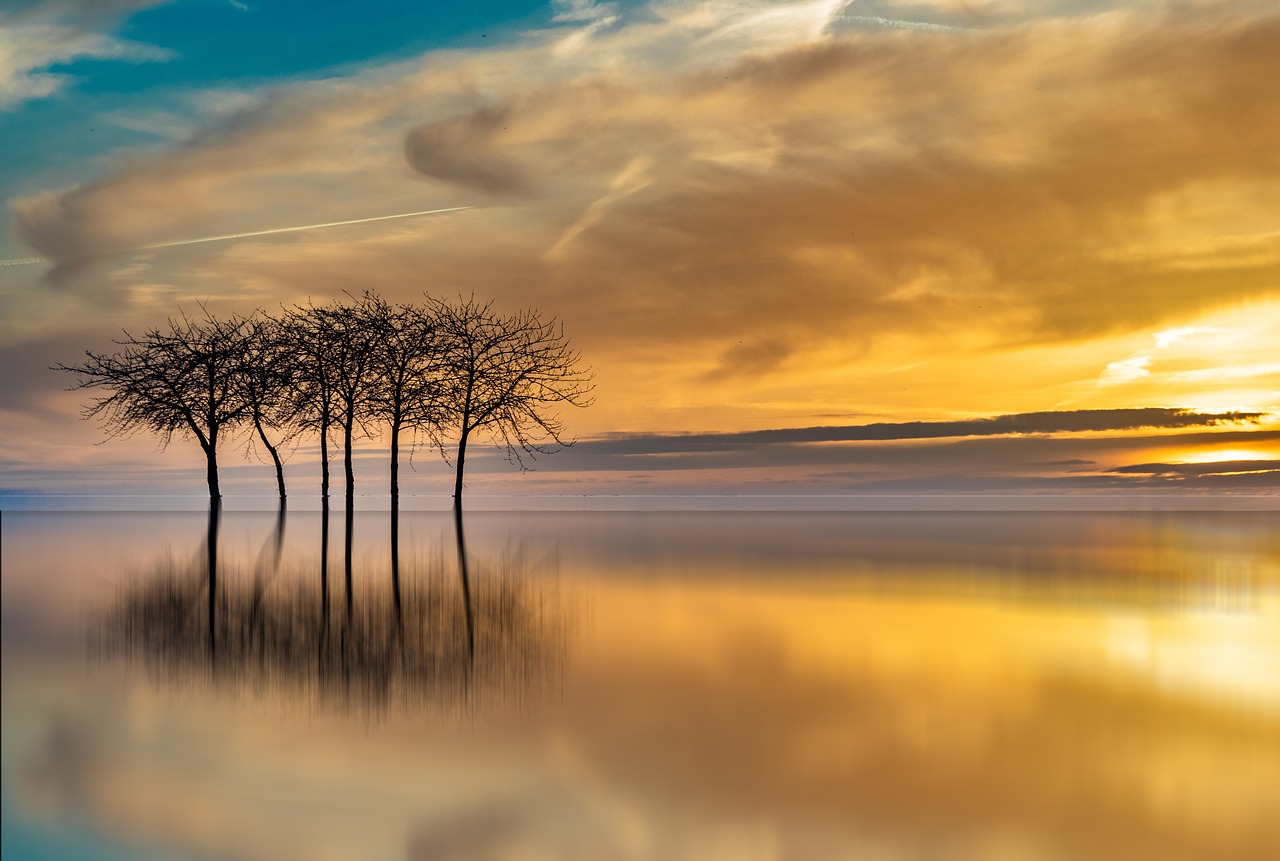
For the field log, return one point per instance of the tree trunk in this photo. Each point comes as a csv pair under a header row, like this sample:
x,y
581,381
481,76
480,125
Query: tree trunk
x,y
395,463
351,475
462,459
211,470
324,456
275,455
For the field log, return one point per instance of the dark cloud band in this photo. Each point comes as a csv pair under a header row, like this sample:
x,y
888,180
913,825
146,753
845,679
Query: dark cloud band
x,y
1050,422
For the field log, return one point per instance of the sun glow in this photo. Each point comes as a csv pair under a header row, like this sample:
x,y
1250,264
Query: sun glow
x,y
1225,455
1218,362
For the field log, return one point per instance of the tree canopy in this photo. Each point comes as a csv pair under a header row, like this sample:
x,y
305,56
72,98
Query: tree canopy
x,y
441,370
182,379
504,375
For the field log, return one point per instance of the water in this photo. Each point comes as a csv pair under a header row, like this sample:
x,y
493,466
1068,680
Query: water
x,y
643,685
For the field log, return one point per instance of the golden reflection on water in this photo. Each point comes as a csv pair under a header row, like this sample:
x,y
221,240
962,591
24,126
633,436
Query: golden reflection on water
x,y
720,687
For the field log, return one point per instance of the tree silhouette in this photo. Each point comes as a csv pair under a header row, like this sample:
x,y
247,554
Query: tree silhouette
x,y
406,353
180,380
445,365
506,374
348,343
340,342
313,399
266,381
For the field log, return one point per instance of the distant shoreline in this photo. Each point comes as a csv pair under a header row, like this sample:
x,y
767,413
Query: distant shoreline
x,y
799,503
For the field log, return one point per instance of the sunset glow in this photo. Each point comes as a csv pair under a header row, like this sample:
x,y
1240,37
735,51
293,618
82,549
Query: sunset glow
x,y
1230,454
748,216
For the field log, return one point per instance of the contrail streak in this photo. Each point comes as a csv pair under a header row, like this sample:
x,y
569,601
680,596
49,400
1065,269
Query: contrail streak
x,y
294,229
22,261
900,24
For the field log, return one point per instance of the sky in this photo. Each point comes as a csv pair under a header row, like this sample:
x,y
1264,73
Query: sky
x,y
930,246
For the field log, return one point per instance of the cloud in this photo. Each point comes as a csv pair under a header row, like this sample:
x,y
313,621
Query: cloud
x,y
255,233
1073,421
751,359
1191,470
1125,371
1137,366
462,150
1007,465
207,184
748,216
34,40
925,184
898,23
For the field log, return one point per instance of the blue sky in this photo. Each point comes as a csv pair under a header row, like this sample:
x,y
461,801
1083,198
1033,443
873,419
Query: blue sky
x,y
182,48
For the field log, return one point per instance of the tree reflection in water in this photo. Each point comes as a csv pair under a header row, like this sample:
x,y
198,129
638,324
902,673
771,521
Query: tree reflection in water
x,y
430,636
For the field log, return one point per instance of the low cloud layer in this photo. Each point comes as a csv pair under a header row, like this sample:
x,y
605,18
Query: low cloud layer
x,y
1074,421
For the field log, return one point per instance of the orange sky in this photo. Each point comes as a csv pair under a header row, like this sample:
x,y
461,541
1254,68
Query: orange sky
x,y
748,215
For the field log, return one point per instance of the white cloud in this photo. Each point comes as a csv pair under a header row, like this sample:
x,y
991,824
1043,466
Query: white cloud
x,y
584,10
1199,355
1169,337
32,43
746,27
1125,371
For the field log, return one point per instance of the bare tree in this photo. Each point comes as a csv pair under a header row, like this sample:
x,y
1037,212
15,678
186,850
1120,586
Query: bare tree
x,y
406,394
314,399
349,344
266,384
406,353
339,381
507,374
180,380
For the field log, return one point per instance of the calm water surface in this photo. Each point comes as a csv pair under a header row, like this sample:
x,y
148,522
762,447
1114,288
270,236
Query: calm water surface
x,y
692,685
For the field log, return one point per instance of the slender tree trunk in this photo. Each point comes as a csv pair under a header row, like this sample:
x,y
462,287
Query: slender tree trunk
x,y
211,469
275,455
346,458
324,456
395,462
462,459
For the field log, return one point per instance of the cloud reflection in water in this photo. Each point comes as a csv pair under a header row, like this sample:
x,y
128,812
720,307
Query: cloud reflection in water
x,y
745,686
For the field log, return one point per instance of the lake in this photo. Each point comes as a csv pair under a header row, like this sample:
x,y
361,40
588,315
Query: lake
x,y
642,685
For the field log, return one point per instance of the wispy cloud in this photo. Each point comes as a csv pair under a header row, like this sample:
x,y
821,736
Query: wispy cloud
x,y
1137,366
900,24
271,231
48,34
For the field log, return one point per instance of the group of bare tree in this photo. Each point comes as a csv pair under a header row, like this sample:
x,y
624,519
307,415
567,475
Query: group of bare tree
x,y
442,372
